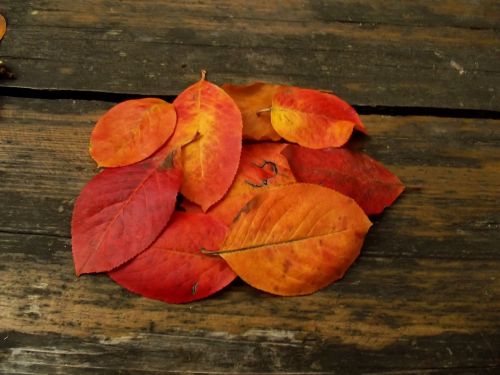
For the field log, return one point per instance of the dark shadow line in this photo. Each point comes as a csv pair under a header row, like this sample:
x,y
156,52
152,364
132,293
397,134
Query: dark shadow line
x,y
54,94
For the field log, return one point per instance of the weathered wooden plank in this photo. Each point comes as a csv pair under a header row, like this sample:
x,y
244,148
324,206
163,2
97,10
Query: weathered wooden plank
x,y
450,166
386,314
459,13
376,53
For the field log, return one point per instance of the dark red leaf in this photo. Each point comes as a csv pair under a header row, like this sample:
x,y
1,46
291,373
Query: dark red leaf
x,y
351,173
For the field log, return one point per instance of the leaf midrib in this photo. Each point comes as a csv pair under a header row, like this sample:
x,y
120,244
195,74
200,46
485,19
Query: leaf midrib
x,y
120,211
279,243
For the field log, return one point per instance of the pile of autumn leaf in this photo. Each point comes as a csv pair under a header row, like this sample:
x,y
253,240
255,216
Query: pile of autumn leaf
x,y
184,206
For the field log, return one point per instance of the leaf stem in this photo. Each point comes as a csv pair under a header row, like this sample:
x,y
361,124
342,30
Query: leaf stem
x,y
263,110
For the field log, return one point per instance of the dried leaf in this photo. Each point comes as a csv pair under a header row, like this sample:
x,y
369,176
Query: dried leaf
x,y
295,239
121,211
251,99
211,122
173,269
351,173
312,118
262,166
3,26
131,131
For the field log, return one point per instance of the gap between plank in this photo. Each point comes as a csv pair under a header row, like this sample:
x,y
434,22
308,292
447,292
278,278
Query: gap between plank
x,y
53,94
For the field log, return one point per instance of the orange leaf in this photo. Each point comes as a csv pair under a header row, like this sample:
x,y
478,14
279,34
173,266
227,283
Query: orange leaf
x,y
3,26
261,166
312,118
131,131
210,161
295,239
250,99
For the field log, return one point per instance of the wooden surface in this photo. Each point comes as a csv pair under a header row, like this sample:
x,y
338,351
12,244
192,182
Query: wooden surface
x,y
370,52
424,296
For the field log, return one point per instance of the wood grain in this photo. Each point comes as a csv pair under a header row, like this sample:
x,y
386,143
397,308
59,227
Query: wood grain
x,y
379,52
423,297
385,315
451,168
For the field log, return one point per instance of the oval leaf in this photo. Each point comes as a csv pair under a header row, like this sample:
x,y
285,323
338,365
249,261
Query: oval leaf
x,y
3,26
295,239
351,173
262,166
251,99
131,131
173,269
209,161
121,211
312,118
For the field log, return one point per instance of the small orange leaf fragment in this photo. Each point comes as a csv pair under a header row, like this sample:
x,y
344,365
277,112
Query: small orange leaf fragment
x,y
3,26
250,99
210,125
312,118
295,239
131,131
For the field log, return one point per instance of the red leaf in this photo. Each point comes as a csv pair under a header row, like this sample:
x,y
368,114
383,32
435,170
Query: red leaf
x,y
173,269
351,173
121,211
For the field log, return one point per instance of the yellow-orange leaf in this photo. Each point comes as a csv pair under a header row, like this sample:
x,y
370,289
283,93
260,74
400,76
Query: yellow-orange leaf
x,y
312,118
295,239
262,166
3,26
210,161
251,99
131,131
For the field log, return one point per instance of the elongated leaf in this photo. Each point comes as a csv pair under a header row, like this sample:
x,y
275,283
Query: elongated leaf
x,y
312,118
262,166
351,173
251,99
121,211
131,131
210,161
174,269
295,239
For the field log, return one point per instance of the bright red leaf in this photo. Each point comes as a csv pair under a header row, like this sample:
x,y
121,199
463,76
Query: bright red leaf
x,y
121,211
352,173
174,269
